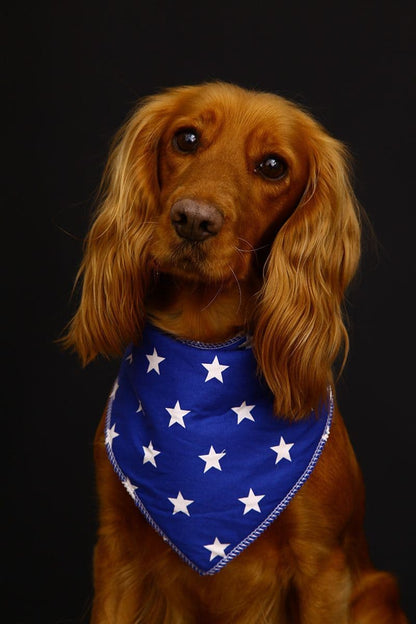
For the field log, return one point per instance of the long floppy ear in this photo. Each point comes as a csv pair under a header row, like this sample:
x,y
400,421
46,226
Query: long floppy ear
x,y
115,269
299,329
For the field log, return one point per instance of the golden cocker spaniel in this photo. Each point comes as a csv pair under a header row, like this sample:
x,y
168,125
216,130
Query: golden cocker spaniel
x,y
227,219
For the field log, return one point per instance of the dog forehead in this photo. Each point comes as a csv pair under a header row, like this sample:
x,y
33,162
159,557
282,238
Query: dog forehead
x,y
233,109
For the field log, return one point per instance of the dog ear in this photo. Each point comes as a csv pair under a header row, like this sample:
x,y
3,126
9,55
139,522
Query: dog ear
x,y
299,329
115,269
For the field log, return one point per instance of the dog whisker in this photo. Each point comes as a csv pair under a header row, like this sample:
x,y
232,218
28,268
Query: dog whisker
x,y
238,286
214,298
239,251
244,240
253,249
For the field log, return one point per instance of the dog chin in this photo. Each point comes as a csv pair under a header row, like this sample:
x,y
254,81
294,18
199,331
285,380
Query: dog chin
x,y
197,272
190,271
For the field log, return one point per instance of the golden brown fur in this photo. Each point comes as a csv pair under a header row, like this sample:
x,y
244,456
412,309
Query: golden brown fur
x,y
277,266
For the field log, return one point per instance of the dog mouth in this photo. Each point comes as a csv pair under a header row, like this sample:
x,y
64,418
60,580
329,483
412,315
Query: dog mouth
x,y
195,261
189,252
189,258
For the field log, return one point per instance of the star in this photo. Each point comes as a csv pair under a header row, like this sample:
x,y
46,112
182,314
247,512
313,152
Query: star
x,y
180,504
110,435
176,415
212,460
282,450
149,454
214,370
140,408
217,549
129,486
154,361
251,502
114,390
244,411
129,358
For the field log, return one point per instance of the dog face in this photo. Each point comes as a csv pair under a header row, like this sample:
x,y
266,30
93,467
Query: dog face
x,y
227,181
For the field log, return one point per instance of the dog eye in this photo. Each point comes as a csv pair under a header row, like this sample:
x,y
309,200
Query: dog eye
x,y
186,140
273,167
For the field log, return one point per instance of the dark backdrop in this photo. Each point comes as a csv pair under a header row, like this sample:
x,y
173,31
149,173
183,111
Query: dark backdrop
x,y
75,69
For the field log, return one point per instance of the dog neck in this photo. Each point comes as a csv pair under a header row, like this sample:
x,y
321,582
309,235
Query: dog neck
x,y
203,312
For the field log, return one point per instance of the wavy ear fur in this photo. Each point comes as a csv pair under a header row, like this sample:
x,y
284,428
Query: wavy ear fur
x,y
115,268
299,331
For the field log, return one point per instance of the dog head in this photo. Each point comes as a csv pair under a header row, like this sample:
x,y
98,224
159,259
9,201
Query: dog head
x,y
214,183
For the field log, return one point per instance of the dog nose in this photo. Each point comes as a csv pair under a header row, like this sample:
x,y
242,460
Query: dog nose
x,y
195,221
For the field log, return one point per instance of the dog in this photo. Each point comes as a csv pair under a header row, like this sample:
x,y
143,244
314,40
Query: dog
x,y
225,239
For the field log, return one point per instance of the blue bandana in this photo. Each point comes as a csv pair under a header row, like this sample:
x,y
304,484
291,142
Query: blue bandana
x,y
191,433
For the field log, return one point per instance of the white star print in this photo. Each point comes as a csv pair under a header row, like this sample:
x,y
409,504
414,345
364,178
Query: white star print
x,y
212,460
217,549
149,454
154,361
180,504
129,486
244,411
282,450
176,415
251,502
114,390
129,358
140,408
214,370
110,435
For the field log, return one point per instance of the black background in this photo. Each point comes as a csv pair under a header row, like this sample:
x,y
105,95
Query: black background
x,y
75,69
